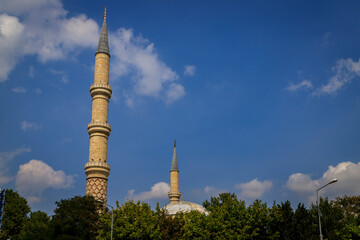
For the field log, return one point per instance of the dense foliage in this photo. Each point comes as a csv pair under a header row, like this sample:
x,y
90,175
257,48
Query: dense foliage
x,y
15,214
75,218
228,218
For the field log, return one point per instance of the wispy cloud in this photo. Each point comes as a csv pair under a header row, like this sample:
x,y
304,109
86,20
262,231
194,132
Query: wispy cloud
x,y
345,71
189,70
63,75
25,125
19,90
304,85
327,35
36,176
158,191
213,191
254,189
31,72
6,157
67,140
348,174
38,91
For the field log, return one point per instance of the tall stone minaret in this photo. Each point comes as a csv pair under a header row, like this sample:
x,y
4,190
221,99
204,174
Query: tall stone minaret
x,y
97,169
174,194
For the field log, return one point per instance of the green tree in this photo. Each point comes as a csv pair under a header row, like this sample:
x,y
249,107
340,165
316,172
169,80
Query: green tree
x,y
304,227
196,226
227,218
331,219
257,221
75,218
131,221
36,227
15,214
286,227
170,227
351,208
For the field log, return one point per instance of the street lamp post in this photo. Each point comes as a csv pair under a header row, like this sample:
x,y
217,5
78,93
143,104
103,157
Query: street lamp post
x,y
317,203
112,220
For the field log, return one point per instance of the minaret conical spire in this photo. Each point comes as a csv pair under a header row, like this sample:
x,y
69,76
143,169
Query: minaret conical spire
x,y
103,46
174,164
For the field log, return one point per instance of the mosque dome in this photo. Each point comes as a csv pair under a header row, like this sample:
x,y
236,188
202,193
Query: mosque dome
x,y
183,206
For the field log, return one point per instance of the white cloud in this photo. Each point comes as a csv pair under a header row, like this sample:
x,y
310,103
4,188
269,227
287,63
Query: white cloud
x,y
304,85
174,92
348,174
19,90
254,189
345,71
213,191
25,125
136,57
11,39
301,183
189,70
18,7
6,157
44,30
36,176
158,191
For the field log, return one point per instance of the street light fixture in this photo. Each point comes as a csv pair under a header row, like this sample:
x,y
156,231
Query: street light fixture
x,y
317,203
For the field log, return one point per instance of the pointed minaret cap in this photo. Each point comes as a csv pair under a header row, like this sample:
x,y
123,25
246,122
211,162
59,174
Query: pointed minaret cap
x,y
103,46
174,164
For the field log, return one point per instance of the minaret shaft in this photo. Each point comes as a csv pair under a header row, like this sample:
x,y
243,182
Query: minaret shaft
x,y
97,170
174,194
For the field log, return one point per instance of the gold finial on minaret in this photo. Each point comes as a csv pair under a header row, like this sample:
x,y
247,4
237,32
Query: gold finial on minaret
x,y
105,13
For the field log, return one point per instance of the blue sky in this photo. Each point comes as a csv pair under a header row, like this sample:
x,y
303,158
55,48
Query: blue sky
x,y
262,98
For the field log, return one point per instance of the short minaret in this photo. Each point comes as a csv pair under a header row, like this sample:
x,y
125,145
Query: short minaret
x,y
174,194
97,169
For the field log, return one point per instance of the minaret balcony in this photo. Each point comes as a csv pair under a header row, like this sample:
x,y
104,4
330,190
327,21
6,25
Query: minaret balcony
x,y
97,164
174,194
97,169
99,127
100,89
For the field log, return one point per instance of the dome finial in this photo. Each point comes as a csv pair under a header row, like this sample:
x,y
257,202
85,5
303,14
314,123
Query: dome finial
x,y
105,13
183,196
175,143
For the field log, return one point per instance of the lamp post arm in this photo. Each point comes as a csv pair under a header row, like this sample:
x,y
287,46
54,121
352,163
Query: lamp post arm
x,y
323,187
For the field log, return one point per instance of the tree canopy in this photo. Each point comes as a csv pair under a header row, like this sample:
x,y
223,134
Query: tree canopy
x,y
229,218
15,214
